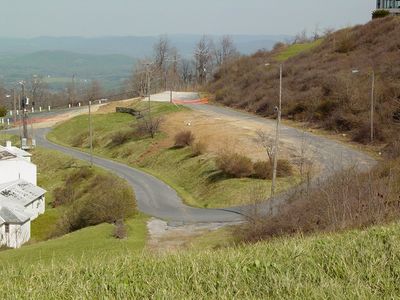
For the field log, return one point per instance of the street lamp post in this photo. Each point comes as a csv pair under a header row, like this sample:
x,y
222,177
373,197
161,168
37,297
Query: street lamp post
x,y
90,133
277,132
372,104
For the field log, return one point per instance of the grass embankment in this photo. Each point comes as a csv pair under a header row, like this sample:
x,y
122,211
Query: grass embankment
x,y
353,265
53,169
196,179
296,49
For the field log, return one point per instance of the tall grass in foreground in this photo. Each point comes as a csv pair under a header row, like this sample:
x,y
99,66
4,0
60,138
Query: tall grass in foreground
x,y
354,265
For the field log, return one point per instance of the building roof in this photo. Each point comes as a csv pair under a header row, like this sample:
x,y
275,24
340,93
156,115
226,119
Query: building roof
x,y
5,154
19,192
13,215
18,152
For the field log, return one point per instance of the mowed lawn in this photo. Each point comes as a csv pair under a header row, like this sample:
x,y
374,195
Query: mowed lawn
x,y
196,179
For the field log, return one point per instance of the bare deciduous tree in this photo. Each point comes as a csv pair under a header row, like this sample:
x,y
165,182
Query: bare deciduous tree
x,y
137,83
225,50
267,142
161,51
186,71
203,58
149,126
37,90
94,91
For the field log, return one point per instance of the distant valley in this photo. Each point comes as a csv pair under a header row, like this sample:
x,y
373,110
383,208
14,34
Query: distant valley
x,y
107,59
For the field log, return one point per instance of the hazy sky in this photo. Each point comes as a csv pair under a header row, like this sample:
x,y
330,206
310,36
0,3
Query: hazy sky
x,y
28,18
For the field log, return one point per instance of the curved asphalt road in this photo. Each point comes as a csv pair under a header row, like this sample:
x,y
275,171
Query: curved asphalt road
x,y
159,200
153,197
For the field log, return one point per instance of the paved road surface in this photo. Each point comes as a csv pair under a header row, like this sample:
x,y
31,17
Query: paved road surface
x,y
157,199
332,156
152,195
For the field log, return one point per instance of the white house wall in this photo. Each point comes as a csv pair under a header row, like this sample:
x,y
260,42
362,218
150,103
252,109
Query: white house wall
x,y
11,170
18,235
3,241
36,208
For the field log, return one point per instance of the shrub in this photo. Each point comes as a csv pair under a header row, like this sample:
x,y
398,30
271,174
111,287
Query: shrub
x,y
199,148
121,137
380,13
107,199
325,109
79,175
284,168
348,200
120,231
149,126
298,108
363,134
3,111
67,194
79,140
63,196
262,170
346,42
235,165
184,138
392,150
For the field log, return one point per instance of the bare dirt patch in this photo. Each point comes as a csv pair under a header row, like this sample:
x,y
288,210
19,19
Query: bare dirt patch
x,y
170,237
221,133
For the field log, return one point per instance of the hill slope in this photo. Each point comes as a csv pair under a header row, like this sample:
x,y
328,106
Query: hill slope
x,y
360,265
319,85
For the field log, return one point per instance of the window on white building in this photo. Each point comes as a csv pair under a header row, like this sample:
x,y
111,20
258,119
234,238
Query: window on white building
x,y
7,227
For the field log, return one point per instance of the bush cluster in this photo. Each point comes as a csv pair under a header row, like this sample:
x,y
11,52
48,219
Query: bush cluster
x,y
3,111
380,13
348,200
240,166
199,148
69,192
184,139
235,165
103,199
121,137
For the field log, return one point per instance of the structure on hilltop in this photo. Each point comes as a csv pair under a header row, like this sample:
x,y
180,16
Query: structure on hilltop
x,y
21,200
393,6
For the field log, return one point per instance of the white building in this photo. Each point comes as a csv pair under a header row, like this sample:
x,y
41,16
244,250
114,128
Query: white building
x,y
15,165
21,201
393,6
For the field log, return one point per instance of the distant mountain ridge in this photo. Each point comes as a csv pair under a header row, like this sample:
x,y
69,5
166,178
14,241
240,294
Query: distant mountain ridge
x,y
134,46
59,66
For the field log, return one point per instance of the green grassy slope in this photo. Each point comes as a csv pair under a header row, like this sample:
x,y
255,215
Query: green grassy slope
x,y
196,179
353,265
296,49
53,168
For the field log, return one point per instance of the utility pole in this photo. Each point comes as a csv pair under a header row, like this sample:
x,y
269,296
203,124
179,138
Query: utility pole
x,y
90,133
372,105
73,91
14,107
276,146
24,103
148,88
